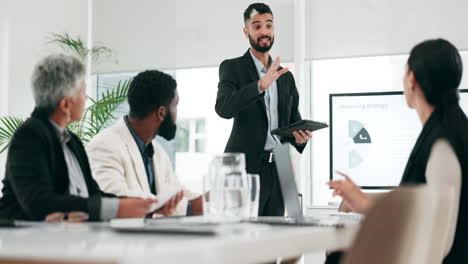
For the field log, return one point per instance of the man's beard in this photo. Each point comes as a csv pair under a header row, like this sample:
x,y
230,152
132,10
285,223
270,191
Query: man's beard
x,y
259,48
168,128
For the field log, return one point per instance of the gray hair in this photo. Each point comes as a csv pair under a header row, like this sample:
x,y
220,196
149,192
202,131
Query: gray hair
x,y
55,77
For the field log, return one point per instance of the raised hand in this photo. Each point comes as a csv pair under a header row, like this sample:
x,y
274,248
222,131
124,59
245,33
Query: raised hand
x,y
352,195
272,75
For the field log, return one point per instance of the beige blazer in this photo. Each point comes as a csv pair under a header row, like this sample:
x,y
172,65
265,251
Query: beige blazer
x,y
118,167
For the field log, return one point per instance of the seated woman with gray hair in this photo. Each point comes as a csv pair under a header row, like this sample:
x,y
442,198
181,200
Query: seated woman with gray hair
x,y
47,170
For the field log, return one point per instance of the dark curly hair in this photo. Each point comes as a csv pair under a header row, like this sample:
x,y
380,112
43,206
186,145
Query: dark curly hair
x,y
261,8
148,91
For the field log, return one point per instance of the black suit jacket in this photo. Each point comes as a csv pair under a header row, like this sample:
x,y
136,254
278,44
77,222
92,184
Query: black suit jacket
x,y
36,179
238,98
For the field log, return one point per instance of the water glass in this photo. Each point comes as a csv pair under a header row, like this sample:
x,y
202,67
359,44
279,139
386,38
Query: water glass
x,y
225,187
236,196
254,187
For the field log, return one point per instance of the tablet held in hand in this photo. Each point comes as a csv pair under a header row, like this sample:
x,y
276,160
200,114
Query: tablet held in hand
x,y
310,125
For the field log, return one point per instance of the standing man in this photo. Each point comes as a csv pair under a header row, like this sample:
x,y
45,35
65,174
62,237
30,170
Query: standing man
x,y
260,95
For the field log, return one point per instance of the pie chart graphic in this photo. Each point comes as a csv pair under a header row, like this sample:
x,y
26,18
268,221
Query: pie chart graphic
x,y
354,159
358,133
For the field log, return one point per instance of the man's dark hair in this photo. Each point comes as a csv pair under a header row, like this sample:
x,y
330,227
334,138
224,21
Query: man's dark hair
x,y
148,91
437,67
260,8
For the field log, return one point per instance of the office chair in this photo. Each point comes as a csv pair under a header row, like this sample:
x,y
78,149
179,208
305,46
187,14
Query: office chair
x,y
404,227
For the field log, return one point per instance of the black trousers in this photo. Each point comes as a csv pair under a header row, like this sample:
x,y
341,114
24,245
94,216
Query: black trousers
x,y
271,199
335,257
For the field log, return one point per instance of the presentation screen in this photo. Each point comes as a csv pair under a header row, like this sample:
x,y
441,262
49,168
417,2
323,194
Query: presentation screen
x,y
372,135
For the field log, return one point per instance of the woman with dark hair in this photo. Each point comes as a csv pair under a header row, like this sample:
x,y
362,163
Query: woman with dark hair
x,y
431,81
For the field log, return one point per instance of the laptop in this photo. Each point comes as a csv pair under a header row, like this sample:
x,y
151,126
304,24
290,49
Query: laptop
x,y
291,199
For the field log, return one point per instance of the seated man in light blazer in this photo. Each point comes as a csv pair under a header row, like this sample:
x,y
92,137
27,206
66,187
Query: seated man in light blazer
x,y
126,160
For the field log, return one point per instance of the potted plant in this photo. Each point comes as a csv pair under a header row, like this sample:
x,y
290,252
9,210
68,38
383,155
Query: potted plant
x,y
99,115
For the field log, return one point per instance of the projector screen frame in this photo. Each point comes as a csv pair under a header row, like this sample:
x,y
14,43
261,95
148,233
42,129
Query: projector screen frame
x,y
331,127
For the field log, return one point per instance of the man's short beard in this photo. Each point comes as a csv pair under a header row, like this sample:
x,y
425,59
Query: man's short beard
x,y
259,48
168,128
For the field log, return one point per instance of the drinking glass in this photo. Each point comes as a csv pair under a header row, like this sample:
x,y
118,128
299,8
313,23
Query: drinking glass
x,y
254,187
225,187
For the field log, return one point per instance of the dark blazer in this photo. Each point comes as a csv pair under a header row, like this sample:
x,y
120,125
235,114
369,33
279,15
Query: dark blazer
x,y
238,98
449,123
36,179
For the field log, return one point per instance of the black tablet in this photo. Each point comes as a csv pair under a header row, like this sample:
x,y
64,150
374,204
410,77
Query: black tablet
x,y
287,131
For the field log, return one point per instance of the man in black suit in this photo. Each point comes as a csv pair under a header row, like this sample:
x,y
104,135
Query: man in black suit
x,y
260,95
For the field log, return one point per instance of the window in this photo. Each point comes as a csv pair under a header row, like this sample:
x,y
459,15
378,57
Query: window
x,y
183,136
191,135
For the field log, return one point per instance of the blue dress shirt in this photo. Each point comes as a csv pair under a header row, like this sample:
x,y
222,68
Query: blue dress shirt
x,y
147,153
271,104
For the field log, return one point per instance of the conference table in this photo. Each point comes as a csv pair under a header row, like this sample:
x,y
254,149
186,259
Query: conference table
x,y
98,243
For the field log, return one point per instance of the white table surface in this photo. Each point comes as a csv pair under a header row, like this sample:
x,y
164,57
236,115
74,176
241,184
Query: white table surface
x,y
96,242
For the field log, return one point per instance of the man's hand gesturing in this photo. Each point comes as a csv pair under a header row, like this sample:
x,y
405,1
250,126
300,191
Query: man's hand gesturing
x,y
272,75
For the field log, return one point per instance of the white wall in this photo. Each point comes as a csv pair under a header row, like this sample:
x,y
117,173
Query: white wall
x,y
4,61
185,33
24,28
30,23
337,28
181,33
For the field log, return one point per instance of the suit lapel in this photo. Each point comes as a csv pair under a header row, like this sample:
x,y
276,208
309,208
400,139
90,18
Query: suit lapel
x,y
253,73
61,182
157,168
282,99
73,145
418,146
134,154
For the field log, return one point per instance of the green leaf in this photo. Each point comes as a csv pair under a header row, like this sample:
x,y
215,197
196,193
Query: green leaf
x,y
8,126
101,113
76,46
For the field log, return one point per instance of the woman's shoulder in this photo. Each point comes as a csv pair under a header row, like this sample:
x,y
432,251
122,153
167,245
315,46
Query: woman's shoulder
x,y
31,134
32,127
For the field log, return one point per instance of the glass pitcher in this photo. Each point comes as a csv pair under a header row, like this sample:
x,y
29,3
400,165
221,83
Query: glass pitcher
x,y
226,187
